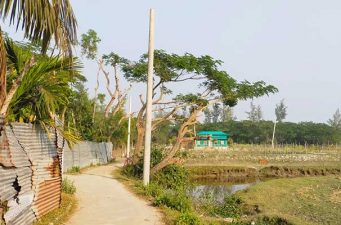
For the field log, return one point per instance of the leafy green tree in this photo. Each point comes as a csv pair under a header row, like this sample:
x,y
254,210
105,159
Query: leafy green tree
x,y
89,43
281,111
335,121
41,21
227,114
79,112
216,112
255,114
216,86
247,132
45,89
208,116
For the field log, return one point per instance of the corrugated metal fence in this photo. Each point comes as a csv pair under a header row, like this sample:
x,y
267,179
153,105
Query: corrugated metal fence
x,y
30,173
30,169
86,153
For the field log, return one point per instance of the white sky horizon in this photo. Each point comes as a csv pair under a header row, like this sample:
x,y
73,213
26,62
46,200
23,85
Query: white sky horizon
x,y
293,45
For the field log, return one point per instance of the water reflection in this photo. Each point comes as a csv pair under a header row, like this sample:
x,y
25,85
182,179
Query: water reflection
x,y
219,189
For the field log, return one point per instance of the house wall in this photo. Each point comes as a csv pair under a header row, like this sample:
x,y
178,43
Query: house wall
x,y
200,144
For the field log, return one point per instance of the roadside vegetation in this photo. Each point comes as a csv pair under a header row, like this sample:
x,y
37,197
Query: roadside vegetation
x,y
303,200
41,80
67,207
168,190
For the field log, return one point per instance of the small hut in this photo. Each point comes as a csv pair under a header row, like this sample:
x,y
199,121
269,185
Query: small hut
x,y
211,139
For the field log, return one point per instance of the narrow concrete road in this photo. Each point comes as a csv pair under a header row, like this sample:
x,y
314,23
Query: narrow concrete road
x,y
103,201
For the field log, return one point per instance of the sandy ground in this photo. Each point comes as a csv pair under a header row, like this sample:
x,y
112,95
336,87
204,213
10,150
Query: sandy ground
x,y
103,200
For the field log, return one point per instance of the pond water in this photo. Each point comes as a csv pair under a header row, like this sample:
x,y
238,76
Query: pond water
x,y
218,189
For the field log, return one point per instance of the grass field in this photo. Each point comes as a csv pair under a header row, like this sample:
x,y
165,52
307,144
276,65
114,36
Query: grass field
x,y
260,155
304,200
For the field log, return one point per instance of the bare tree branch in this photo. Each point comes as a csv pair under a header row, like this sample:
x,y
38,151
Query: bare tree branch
x,y
96,90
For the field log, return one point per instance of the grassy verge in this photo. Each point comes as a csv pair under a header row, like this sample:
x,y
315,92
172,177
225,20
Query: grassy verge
x,y
179,209
61,215
304,200
267,203
78,170
68,205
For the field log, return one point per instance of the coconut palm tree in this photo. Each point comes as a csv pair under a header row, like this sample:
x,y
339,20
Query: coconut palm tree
x,y
45,89
41,21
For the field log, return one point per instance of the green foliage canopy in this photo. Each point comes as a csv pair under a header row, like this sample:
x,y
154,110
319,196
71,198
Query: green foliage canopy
x,y
178,68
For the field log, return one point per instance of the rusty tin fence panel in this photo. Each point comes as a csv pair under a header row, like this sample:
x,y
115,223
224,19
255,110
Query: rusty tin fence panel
x,y
30,173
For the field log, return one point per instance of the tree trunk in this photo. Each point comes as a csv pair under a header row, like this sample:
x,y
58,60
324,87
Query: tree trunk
x,y
140,133
139,143
3,69
183,130
14,88
169,159
96,90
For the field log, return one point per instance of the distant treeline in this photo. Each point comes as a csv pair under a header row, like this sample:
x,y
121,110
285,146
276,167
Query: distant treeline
x,y
246,132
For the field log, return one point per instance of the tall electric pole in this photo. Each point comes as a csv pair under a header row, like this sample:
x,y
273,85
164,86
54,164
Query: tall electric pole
x,y
148,131
129,124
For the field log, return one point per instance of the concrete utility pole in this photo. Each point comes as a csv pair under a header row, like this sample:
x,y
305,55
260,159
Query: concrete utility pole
x,y
273,135
129,122
148,131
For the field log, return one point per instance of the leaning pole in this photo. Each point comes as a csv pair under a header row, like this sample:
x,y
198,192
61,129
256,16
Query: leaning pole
x,y
148,131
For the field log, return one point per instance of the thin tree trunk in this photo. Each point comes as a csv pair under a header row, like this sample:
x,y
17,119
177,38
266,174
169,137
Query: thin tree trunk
x,y
14,88
96,90
3,69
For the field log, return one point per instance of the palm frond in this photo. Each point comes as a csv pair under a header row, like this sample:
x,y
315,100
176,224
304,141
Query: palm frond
x,y
45,88
42,20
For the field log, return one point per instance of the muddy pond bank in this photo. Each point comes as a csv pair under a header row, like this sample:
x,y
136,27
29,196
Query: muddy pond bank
x,y
234,173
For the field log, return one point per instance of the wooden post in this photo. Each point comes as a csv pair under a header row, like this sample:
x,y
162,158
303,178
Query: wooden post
x,y
148,131
129,123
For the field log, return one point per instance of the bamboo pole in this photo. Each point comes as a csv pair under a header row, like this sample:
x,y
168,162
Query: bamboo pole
x,y
148,131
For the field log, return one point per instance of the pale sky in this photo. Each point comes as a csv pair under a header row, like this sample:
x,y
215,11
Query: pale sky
x,y
294,45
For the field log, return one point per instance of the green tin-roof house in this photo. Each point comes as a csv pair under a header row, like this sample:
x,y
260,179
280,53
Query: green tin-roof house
x,y
211,139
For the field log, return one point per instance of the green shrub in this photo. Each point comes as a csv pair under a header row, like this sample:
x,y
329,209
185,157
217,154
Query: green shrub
x,y
136,170
172,177
132,170
152,189
68,186
174,200
187,218
74,169
231,207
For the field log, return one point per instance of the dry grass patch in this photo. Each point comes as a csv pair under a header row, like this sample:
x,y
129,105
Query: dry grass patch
x,y
61,215
303,200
